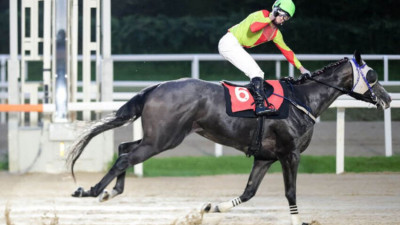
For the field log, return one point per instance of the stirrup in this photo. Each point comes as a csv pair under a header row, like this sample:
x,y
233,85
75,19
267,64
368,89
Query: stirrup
x,y
266,112
269,110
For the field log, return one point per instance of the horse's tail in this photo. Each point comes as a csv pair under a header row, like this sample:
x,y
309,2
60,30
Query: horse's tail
x,y
129,112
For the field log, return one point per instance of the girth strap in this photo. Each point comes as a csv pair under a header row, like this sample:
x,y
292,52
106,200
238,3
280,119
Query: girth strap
x,y
257,137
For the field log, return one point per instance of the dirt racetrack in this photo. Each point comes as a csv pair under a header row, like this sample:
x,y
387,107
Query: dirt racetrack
x,y
327,198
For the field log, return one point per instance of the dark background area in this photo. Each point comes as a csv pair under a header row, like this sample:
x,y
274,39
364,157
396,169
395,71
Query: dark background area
x,y
194,26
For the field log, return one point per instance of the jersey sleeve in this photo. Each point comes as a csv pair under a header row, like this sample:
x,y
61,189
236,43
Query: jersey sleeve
x,y
286,51
257,26
261,22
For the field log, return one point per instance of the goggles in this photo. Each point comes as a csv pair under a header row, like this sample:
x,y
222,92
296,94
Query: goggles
x,y
282,13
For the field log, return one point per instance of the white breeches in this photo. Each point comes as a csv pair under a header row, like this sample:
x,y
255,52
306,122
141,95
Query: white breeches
x,y
230,48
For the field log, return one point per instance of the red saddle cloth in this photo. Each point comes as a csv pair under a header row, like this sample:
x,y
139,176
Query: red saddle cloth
x,y
240,101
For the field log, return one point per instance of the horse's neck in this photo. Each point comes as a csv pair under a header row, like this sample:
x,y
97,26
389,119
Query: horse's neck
x,y
319,97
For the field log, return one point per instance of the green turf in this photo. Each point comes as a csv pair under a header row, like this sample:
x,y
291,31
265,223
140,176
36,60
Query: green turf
x,y
3,165
198,166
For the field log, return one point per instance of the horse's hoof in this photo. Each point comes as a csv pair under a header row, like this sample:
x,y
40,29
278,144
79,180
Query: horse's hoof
x,y
206,208
114,193
104,196
78,193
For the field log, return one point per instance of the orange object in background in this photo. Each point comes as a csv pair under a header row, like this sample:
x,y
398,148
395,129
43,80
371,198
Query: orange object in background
x,y
21,108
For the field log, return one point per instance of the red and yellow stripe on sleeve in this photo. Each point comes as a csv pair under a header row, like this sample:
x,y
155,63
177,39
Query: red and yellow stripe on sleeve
x,y
286,51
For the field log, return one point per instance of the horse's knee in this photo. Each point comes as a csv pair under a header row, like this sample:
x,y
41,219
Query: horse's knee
x,y
127,147
123,149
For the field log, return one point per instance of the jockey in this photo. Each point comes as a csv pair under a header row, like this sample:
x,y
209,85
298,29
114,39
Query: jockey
x,y
259,27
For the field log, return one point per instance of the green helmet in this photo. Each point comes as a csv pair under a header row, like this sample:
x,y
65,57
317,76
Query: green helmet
x,y
285,5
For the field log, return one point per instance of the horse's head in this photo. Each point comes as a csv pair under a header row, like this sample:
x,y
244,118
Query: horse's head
x,y
366,86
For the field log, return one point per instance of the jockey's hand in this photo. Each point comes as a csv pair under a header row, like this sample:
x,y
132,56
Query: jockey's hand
x,y
273,14
304,71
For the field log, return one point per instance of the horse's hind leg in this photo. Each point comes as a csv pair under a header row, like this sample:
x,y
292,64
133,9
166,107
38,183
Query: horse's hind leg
x,y
137,155
260,168
123,148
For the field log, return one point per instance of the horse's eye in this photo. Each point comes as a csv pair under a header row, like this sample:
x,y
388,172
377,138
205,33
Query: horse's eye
x,y
372,76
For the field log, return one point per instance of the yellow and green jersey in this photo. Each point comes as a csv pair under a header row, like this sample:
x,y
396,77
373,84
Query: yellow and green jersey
x,y
258,28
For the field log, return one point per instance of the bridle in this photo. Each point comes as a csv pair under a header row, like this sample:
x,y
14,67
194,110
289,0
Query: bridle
x,y
360,86
357,91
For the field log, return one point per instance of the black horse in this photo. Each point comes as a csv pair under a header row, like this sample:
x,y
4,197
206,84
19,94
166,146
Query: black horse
x,y
172,110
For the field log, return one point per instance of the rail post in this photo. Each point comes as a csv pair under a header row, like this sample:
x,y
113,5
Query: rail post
x,y
13,90
291,70
340,128
195,67
385,68
3,88
278,69
388,132
61,86
218,150
137,135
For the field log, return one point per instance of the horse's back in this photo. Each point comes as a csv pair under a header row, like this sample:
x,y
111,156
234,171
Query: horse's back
x,y
190,86
186,96
186,90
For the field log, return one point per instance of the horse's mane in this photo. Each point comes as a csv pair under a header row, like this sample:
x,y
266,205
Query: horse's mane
x,y
330,66
301,79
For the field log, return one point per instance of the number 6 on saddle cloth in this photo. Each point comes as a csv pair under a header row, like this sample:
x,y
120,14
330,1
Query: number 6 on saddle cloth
x,y
240,101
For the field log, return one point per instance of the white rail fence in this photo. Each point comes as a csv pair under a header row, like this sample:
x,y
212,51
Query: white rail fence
x,y
195,59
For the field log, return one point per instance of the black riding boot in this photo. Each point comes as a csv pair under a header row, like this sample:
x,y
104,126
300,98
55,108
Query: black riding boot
x,y
261,110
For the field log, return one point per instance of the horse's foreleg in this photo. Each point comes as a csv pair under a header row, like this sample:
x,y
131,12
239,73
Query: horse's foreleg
x,y
290,164
260,168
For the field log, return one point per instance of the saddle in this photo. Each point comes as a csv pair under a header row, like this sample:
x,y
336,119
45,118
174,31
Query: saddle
x,y
240,103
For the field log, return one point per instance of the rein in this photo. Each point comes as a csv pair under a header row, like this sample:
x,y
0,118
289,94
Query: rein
x,y
304,109
350,92
344,91
356,68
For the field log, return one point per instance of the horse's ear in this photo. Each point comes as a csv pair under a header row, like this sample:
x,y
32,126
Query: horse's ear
x,y
357,56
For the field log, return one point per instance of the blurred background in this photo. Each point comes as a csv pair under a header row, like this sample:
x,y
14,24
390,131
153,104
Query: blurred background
x,y
194,26
186,26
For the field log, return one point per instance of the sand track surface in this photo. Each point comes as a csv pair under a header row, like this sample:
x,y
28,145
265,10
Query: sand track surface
x,y
327,198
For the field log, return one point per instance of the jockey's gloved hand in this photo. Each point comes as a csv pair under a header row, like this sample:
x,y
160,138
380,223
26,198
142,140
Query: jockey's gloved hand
x,y
304,71
305,74
274,13
304,77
